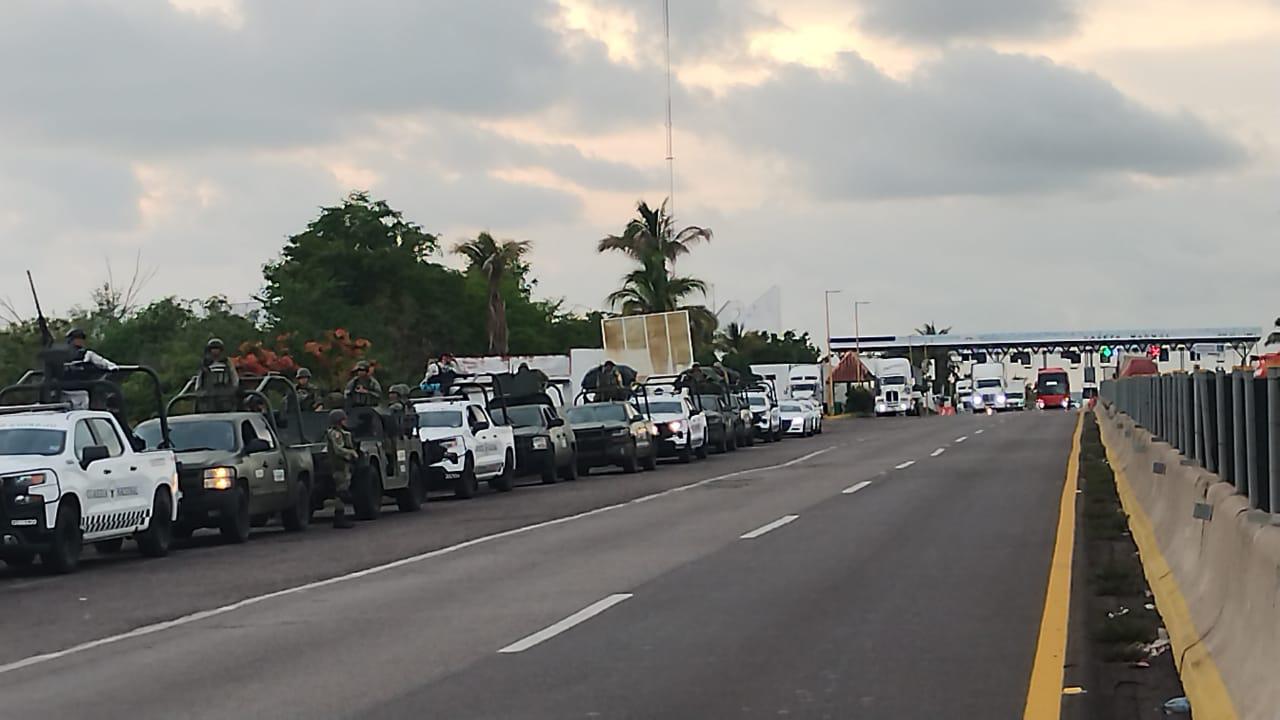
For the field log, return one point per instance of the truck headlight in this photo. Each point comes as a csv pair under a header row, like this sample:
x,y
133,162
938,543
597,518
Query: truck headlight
x,y
219,478
1001,399
540,443
453,445
30,480
977,400
676,426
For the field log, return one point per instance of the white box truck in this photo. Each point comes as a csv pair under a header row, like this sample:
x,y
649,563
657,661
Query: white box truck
x,y
808,382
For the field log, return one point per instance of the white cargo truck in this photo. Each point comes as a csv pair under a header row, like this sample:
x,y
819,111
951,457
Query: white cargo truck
x,y
895,388
988,387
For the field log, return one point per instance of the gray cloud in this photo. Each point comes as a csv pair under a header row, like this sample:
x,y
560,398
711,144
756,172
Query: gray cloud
x,y
940,20
974,122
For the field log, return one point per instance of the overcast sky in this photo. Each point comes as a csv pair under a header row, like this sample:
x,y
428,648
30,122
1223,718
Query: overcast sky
x,y
984,164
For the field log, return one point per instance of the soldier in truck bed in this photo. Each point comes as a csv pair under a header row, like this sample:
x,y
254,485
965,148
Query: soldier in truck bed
x,y
309,396
363,390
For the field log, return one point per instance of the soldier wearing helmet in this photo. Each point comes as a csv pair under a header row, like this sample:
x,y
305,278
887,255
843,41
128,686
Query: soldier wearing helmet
x,y
308,395
82,365
218,385
342,459
363,390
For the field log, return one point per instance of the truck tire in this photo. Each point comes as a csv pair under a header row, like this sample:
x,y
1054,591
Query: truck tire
x,y
684,456
154,542
751,438
549,476
368,499
631,463
235,526
109,547
411,497
466,486
298,517
702,449
63,555
507,480
570,471
651,460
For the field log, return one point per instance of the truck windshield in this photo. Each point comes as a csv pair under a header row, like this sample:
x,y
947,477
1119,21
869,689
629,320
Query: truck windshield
x,y
671,407
803,387
789,408
758,402
597,413
191,435
893,380
32,441
710,402
989,383
519,416
1052,384
440,419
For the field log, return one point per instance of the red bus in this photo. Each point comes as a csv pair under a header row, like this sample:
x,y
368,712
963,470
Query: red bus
x,y
1053,389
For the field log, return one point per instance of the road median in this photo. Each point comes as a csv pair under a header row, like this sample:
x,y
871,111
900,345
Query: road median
x,y
1213,566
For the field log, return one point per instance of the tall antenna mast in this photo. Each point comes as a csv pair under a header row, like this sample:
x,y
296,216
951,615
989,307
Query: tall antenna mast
x,y
671,158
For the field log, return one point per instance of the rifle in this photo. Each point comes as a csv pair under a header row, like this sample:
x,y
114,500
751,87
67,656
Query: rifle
x,y
46,336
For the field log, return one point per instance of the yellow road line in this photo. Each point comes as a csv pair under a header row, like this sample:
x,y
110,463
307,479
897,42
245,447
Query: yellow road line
x,y
1044,696
1201,678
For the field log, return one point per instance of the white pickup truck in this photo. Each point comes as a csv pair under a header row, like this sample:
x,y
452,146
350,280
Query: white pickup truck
x,y
481,449
71,477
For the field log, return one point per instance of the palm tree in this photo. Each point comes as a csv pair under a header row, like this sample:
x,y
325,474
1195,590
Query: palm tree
x,y
652,241
940,356
494,260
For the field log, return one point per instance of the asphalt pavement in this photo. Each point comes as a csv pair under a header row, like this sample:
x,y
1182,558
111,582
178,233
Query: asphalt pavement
x,y
888,568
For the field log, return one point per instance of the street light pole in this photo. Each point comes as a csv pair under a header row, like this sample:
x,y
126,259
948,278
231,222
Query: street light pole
x,y
828,385
857,335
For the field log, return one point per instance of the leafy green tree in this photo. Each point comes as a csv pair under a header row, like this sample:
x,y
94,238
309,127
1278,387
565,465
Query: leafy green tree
x,y
494,261
940,357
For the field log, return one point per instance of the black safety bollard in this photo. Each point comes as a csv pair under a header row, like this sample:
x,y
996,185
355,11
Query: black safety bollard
x,y
1208,421
1196,454
1222,411
1239,434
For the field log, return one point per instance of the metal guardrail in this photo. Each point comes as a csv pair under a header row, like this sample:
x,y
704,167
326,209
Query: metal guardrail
x,y
1226,422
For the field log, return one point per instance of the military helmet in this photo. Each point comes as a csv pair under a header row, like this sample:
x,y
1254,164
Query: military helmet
x,y
362,365
337,417
400,389
75,333
302,373
215,343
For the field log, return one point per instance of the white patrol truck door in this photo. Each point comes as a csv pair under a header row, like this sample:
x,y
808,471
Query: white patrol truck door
x,y
481,428
127,500
94,490
697,425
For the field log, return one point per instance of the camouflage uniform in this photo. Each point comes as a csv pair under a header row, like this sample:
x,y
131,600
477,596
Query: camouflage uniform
x,y
610,386
217,384
342,459
308,395
372,389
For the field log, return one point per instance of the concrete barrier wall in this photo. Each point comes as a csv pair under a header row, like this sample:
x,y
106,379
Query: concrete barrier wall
x,y
1217,581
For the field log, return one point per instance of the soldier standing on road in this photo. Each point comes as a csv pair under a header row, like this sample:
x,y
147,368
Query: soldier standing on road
x,y
342,458
308,394
217,384
83,365
363,390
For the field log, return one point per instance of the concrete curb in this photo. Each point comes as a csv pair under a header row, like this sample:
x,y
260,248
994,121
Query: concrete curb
x,y
1213,567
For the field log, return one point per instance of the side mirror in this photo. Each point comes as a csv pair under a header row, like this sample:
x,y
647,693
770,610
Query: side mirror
x,y
256,445
556,422
479,426
93,454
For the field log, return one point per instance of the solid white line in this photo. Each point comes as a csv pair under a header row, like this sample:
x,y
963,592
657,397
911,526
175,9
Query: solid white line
x,y
904,465
856,488
153,628
937,452
577,618
961,439
978,432
784,520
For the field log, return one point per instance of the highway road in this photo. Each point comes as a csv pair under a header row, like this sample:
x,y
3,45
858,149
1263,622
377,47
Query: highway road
x,y
886,569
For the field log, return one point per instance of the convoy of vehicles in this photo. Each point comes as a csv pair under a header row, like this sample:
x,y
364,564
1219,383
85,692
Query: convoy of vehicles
x,y
71,477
